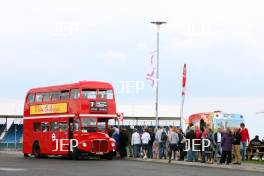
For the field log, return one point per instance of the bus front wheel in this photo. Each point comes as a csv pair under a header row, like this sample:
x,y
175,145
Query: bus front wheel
x,y
75,153
26,155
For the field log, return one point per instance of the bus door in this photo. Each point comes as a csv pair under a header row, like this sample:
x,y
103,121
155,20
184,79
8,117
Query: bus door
x,y
71,128
54,137
64,137
45,137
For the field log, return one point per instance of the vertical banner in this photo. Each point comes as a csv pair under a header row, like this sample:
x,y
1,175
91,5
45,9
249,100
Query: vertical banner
x,y
120,118
183,92
151,75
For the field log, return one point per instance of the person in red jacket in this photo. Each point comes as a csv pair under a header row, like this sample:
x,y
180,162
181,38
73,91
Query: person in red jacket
x,y
245,140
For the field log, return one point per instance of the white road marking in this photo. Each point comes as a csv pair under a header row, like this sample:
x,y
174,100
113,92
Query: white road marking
x,y
11,169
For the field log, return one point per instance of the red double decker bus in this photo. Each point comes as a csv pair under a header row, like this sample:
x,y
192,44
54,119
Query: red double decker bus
x,y
69,120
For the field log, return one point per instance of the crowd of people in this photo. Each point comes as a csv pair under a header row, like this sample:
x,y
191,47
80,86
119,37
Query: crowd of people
x,y
196,144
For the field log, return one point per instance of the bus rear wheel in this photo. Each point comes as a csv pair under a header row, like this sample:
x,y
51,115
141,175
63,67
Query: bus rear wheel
x,y
36,150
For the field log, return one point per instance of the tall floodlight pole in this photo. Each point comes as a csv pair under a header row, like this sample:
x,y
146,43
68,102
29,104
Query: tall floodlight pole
x,y
158,24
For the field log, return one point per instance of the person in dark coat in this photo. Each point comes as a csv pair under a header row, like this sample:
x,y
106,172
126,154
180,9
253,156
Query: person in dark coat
x,y
152,139
190,135
123,139
227,142
181,144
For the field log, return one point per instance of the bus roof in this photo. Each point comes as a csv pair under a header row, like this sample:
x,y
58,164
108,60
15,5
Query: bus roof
x,y
81,84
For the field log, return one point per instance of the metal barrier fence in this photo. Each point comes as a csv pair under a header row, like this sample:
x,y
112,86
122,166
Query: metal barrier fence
x,y
10,146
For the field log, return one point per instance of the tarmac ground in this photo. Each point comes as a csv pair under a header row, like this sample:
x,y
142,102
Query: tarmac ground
x,y
16,165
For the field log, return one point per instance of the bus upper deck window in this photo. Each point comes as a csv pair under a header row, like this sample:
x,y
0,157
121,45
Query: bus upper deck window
x,y
46,97
55,96
30,98
102,94
39,97
89,94
109,94
75,93
64,95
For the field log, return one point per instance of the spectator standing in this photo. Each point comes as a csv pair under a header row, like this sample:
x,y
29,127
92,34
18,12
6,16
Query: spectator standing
x,y
111,132
116,137
227,142
236,146
130,132
181,144
135,143
161,138
202,125
188,127
203,136
145,142
210,149
245,140
123,137
218,143
173,142
191,136
197,138
151,142
155,146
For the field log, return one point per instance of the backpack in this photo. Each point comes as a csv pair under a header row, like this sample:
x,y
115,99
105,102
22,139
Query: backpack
x,y
164,136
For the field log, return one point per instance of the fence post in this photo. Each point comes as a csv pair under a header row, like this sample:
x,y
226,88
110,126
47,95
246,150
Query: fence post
x,y
15,138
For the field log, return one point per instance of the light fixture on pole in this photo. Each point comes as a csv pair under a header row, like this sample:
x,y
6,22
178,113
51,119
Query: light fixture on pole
x,y
157,23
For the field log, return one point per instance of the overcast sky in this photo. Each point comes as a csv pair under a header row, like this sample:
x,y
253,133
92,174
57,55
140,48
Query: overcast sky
x,y
62,41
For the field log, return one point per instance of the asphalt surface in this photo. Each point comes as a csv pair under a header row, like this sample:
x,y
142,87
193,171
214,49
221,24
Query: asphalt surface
x,y
13,165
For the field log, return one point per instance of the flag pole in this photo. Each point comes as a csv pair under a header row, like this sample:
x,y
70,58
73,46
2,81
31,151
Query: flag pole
x,y
158,24
181,110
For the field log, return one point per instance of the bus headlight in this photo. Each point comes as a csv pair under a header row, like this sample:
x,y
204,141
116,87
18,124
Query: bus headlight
x,y
113,144
84,144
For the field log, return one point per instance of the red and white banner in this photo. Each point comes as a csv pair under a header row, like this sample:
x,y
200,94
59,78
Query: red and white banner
x,y
184,80
120,116
151,76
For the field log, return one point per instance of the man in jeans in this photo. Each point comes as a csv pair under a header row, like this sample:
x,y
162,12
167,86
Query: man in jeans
x,y
162,144
217,142
135,143
244,140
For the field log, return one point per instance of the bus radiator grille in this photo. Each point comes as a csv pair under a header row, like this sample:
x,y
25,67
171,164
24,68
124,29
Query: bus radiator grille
x,y
99,146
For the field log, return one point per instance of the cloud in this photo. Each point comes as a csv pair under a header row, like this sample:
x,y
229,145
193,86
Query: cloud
x,y
114,55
